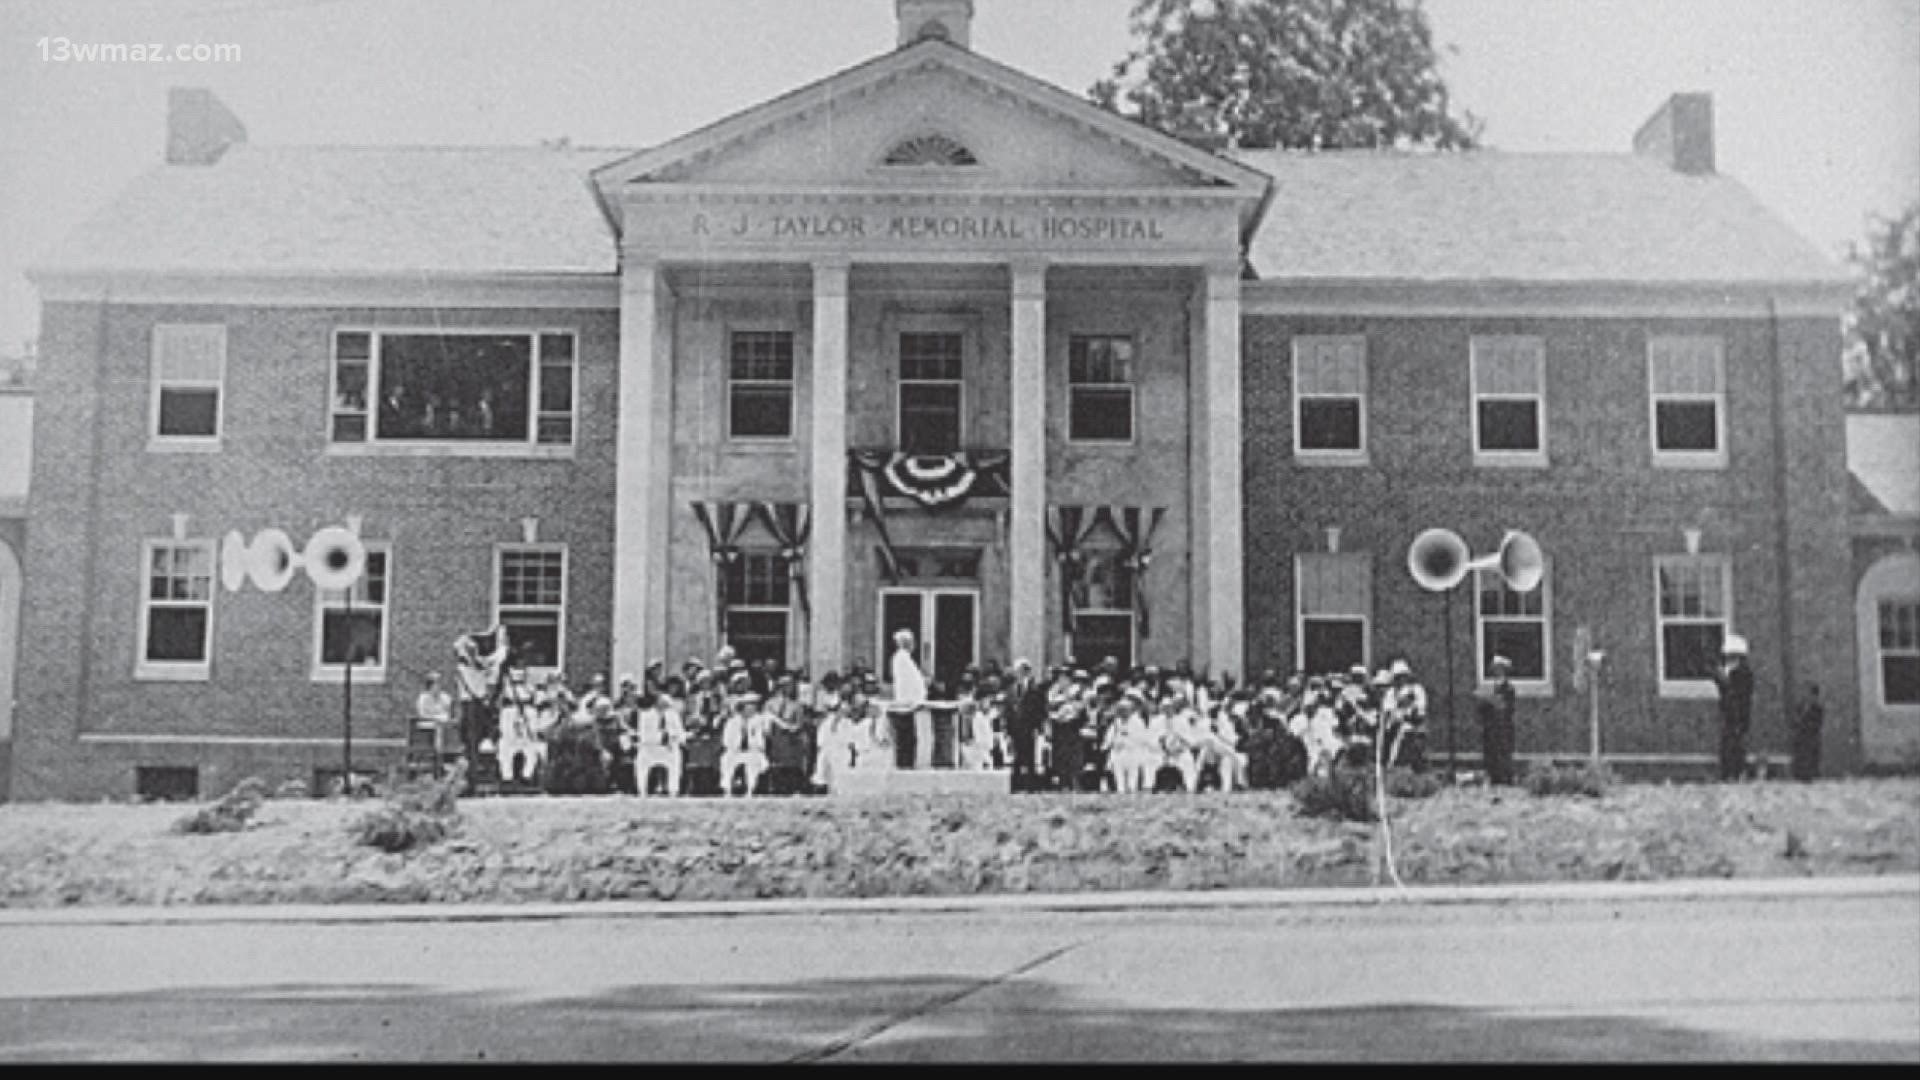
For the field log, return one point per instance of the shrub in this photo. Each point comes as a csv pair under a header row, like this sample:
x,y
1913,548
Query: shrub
x,y
1345,795
416,814
1404,783
232,813
1585,779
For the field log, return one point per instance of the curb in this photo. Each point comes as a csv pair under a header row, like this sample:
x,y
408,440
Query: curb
x,y
1894,886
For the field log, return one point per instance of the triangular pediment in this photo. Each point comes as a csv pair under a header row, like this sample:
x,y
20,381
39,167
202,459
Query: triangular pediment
x,y
932,115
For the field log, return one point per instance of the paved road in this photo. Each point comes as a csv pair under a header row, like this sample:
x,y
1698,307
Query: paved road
x,y
1807,978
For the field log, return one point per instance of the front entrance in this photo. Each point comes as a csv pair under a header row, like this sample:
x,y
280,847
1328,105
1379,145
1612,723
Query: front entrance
x,y
946,628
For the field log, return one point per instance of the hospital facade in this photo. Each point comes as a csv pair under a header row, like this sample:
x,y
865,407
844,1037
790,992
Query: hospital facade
x,y
928,344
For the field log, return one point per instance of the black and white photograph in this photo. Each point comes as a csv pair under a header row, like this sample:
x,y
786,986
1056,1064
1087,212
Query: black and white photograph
x,y
959,531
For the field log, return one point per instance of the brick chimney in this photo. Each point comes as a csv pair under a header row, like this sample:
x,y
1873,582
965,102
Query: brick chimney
x,y
948,20
199,127
1680,134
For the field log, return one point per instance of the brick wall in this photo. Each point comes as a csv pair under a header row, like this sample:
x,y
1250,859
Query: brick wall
x,y
1601,511
98,494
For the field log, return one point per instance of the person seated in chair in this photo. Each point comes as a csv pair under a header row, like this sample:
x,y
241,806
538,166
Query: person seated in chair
x,y
520,750
743,742
660,739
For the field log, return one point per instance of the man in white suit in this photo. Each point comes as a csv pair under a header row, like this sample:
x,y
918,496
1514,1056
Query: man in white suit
x,y
909,696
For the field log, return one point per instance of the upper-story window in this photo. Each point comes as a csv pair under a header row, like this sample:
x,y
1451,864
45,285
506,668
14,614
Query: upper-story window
x,y
1687,393
468,388
930,150
189,371
931,391
760,384
1100,388
1509,401
1330,398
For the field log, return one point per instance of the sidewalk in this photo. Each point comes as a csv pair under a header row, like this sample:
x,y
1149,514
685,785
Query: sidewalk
x,y
1900,885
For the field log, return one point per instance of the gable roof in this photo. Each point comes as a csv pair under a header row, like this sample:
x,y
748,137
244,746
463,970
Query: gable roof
x,y
927,53
1883,455
1489,216
346,210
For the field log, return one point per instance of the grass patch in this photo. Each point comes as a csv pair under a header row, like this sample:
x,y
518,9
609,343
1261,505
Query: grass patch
x,y
417,813
1585,779
232,813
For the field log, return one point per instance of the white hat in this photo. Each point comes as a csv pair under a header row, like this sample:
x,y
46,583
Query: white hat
x,y
1500,661
1400,668
1735,645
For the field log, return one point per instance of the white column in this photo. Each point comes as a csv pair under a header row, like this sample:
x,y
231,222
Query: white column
x,y
638,479
1226,609
1198,633
827,547
1027,554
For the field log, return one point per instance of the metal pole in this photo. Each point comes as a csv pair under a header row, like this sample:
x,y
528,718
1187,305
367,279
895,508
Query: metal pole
x,y
1452,755
346,712
1593,711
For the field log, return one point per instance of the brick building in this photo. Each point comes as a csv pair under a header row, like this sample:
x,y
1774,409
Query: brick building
x,y
926,344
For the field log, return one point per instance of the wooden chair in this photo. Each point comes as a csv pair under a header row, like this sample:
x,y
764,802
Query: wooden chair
x,y
423,749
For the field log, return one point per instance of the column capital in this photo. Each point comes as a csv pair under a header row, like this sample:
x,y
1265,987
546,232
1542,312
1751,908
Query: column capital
x,y
1029,279
831,276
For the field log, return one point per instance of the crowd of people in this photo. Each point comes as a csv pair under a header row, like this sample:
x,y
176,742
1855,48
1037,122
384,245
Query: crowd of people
x,y
737,727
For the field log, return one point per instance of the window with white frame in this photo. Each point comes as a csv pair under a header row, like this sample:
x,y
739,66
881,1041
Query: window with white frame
x,y
189,371
530,600
1695,607
1900,651
176,609
1333,607
1103,607
465,388
1516,625
759,591
352,623
1330,397
1509,400
931,391
1100,388
1687,393
760,384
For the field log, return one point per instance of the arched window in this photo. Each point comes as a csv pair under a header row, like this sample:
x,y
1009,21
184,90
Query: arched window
x,y
930,150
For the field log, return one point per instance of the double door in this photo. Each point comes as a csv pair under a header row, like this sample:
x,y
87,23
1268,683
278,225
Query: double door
x,y
945,623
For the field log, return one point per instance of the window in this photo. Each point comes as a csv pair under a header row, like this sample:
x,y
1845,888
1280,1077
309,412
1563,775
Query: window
x,y
757,607
359,628
760,384
1103,609
481,389
1100,389
1330,398
176,610
1695,608
1900,652
930,150
189,367
1334,602
530,599
930,392
1515,625
1687,391
1509,402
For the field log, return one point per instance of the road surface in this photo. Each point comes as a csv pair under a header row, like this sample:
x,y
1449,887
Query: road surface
x,y
1805,978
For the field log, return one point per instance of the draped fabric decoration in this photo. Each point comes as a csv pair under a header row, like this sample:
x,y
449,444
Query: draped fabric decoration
x,y
1136,549
790,524
936,481
869,483
724,522
1068,528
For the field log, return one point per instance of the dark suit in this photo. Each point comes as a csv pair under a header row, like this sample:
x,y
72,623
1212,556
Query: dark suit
x,y
1026,713
1735,683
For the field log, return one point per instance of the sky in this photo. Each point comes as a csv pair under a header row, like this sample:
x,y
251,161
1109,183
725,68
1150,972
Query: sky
x,y
1817,102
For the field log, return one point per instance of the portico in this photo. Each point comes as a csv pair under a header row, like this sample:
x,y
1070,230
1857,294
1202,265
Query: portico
x,y
953,251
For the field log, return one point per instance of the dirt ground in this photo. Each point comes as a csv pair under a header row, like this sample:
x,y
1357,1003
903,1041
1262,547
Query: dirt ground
x,y
542,848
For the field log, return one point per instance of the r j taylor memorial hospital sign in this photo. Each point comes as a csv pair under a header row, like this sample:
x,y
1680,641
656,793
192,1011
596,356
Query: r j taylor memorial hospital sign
x,y
1181,228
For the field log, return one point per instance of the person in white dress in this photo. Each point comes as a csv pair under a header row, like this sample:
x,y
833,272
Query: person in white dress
x,y
660,736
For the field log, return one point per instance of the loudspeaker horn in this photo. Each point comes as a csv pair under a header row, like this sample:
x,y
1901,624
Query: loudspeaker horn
x,y
1438,559
272,560
233,561
335,558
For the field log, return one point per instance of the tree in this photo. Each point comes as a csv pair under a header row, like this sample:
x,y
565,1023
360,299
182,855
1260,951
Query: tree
x,y
1306,74
1883,326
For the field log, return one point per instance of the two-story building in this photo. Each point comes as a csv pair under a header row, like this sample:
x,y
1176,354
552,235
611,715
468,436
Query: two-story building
x,y
927,344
